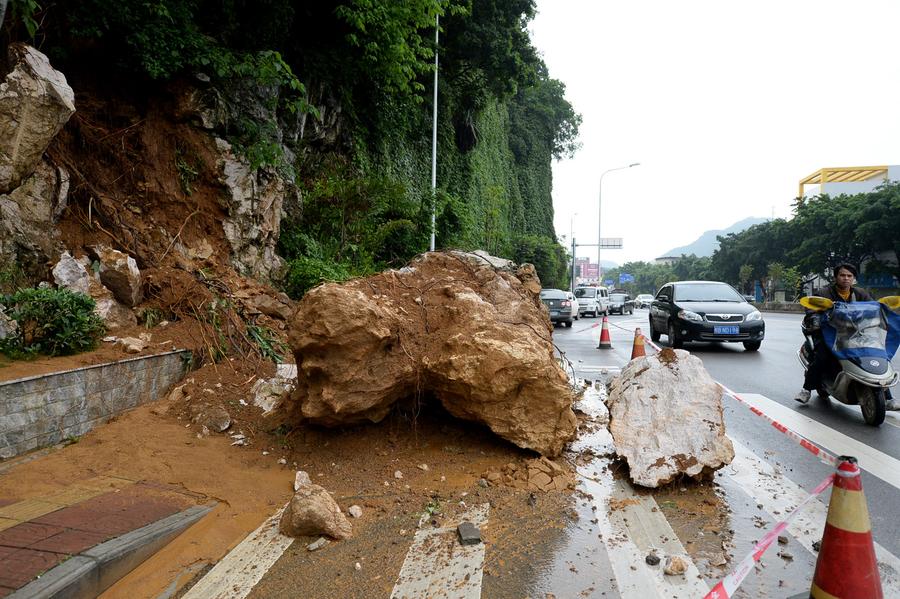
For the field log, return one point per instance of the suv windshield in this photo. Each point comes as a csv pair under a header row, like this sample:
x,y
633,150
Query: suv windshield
x,y
586,292
706,292
617,297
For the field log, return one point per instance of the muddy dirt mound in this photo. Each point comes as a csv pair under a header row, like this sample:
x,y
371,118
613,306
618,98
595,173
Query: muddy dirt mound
x,y
458,326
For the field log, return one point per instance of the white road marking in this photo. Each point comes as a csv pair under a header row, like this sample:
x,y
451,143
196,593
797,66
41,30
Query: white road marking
x,y
870,459
630,529
437,565
778,495
238,572
597,368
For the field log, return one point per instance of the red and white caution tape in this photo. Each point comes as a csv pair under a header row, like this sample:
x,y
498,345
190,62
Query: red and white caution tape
x,y
728,585
805,443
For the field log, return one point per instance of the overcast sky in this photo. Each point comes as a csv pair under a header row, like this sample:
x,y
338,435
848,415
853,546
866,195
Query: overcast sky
x,y
725,104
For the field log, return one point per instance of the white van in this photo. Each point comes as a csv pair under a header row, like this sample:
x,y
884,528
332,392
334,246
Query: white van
x,y
592,299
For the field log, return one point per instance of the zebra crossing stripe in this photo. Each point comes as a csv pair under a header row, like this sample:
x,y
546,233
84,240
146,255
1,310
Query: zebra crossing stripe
x,y
436,565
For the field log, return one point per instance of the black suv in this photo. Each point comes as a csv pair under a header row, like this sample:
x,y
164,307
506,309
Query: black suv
x,y
705,311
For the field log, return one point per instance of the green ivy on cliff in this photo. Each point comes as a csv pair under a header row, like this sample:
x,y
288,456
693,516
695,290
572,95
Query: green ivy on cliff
x,y
365,198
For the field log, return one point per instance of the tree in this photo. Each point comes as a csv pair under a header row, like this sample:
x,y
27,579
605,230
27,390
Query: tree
x,y
745,274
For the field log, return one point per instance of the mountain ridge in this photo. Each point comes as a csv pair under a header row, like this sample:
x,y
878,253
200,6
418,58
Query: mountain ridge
x,y
706,244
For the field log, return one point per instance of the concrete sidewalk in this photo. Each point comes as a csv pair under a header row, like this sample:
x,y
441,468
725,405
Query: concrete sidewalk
x,y
39,533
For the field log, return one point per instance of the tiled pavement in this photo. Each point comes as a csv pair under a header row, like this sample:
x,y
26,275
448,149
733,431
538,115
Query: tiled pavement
x,y
38,533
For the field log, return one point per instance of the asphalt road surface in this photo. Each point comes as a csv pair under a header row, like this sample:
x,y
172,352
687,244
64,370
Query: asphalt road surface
x,y
775,373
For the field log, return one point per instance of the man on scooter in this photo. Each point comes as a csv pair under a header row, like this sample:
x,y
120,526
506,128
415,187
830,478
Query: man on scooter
x,y
842,290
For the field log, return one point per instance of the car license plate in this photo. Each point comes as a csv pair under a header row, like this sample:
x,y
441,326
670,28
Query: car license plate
x,y
554,312
726,330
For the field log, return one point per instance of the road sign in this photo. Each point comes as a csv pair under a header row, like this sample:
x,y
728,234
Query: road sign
x,y
611,243
626,278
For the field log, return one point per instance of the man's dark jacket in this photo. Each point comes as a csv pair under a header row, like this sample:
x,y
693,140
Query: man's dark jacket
x,y
857,294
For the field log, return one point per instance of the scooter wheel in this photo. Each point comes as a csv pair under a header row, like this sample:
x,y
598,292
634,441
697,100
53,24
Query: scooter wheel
x,y
872,403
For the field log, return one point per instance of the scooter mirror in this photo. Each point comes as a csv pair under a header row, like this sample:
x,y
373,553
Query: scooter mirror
x,y
816,303
891,301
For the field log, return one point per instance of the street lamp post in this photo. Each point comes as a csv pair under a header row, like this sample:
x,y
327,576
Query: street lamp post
x,y
600,213
572,241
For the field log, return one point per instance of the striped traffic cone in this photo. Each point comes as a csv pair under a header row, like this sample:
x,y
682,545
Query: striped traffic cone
x,y
605,341
637,350
846,567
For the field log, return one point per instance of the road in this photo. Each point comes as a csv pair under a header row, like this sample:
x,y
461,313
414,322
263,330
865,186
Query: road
x,y
595,543
775,373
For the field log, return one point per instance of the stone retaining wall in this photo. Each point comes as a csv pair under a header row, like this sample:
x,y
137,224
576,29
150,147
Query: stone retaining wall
x,y
44,410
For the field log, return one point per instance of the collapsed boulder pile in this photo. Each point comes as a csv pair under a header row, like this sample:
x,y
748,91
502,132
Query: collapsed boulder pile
x,y
666,419
467,329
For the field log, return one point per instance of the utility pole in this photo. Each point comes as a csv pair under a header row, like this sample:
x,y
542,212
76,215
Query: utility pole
x,y
573,266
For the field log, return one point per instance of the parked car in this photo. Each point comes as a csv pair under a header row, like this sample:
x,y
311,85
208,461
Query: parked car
x,y
750,298
705,311
561,308
620,303
592,299
574,301
643,300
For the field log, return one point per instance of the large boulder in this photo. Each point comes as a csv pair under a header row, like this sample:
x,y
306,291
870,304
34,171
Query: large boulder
x,y
666,419
120,274
35,103
71,274
451,325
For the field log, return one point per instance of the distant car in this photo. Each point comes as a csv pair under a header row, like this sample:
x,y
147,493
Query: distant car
x,y
643,300
620,303
560,307
592,299
750,298
705,311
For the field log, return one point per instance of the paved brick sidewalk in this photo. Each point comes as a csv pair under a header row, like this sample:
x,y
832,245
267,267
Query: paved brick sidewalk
x,y
36,534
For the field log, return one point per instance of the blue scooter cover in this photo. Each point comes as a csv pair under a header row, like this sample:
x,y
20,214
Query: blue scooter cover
x,y
861,329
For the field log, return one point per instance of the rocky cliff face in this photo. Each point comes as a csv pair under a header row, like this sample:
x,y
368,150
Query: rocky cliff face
x,y
35,103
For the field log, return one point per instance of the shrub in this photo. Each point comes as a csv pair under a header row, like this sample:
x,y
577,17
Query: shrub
x,y
54,322
305,273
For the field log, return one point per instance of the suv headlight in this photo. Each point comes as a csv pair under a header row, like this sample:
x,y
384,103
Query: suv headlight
x,y
755,315
688,315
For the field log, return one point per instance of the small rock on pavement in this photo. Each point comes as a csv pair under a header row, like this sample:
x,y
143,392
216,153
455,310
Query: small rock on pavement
x,y
398,475
817,545
782,540
317,544
786,555
423,467
652,559
355,511
675,566
300,479
282,461
482,483
357,566
468,533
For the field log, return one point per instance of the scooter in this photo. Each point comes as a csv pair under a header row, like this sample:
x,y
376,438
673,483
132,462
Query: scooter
x,y
863,337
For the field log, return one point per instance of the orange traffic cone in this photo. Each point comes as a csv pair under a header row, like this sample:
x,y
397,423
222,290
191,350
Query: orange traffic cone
x,y
605,342
846,566
637,350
